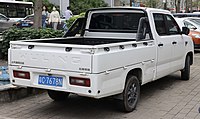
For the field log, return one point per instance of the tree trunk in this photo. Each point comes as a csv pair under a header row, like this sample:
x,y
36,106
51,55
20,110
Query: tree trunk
x,y
165,5
178,6
191,6
187,6
175,2
37,14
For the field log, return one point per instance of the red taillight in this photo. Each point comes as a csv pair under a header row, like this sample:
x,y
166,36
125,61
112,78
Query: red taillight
x,y
21,74
79,81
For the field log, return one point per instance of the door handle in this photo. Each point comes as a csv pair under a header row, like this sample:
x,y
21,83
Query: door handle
x,y
160,45
174,43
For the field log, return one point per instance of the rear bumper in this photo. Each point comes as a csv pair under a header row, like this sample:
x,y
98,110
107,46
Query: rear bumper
x,y
102,85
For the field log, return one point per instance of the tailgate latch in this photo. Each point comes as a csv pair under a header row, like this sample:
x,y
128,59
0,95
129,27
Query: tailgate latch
x,y
68,49
30,46
48,70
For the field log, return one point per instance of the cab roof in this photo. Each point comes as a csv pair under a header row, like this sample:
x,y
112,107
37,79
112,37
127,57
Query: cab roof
x,y
131,8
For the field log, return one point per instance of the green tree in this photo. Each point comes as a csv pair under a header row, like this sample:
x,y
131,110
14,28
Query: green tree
x,y
45,3
196,4
177,5
152,3
79,6
38,11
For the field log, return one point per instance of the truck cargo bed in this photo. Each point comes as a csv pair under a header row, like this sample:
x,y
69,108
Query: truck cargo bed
x,y
83,41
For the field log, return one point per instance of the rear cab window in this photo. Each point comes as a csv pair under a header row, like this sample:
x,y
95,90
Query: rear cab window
x,y
117,23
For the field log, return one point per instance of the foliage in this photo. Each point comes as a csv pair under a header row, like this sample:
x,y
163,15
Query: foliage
x,y
47,4
14,34
79,6
177,5
152,3
196,4
72,19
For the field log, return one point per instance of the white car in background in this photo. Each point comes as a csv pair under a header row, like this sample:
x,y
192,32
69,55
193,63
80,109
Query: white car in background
x,y
193,23
5,23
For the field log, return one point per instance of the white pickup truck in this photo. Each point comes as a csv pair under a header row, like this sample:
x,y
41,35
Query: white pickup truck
x,y
117,51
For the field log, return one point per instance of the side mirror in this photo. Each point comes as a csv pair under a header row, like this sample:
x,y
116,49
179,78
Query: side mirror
x,y
185,30
193,28
8,19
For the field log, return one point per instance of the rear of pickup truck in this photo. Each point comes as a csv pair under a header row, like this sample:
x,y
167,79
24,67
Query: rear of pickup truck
x,y
50,66
89,70
114,54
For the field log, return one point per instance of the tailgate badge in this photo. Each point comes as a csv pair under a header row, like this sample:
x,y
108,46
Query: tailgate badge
x,y
84,69
17,62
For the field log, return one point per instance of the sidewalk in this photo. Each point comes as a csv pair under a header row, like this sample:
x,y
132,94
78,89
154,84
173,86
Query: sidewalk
x,y
166,98
8,92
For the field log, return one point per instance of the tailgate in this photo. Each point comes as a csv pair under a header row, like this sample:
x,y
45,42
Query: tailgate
x,y
50,57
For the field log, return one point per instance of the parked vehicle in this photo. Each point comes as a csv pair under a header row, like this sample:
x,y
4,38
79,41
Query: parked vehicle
x,y
118,50
28,21
193,24
16,10
5,23
182,15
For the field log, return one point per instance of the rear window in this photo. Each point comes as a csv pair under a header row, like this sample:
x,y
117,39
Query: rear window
x,y
31,18
180,15
197,21
115,21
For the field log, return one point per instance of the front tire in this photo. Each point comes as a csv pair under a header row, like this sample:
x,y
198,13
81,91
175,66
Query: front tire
x,y
185,73
58,95
130,94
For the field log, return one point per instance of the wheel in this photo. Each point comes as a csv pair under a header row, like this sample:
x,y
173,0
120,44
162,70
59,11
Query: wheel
x,y
58,95
185,73
130,94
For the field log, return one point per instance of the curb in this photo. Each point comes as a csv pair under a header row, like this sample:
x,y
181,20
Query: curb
x,y
10,93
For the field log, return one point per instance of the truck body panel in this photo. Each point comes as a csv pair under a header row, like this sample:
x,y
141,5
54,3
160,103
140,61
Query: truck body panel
x,y
50,58
107,53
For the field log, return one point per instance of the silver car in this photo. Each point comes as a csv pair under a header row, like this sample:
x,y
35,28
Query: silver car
x,y
5,23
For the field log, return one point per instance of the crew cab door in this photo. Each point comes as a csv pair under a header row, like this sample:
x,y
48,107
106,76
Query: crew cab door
x,y
178,44
169,44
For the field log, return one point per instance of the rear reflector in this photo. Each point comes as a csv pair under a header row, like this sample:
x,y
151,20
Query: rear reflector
x,y
21,74
79,81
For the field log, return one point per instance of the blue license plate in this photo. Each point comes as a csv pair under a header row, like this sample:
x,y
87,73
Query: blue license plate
x,y
24,24
50,80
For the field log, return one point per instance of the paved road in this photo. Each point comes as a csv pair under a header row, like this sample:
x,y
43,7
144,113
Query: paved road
x,y
166,98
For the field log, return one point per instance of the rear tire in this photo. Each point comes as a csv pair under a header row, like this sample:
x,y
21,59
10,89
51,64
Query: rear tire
x,y
185,73
130,94
58,95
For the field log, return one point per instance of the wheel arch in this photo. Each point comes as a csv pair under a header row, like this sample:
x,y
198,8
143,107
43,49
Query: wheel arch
x,y
135,72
